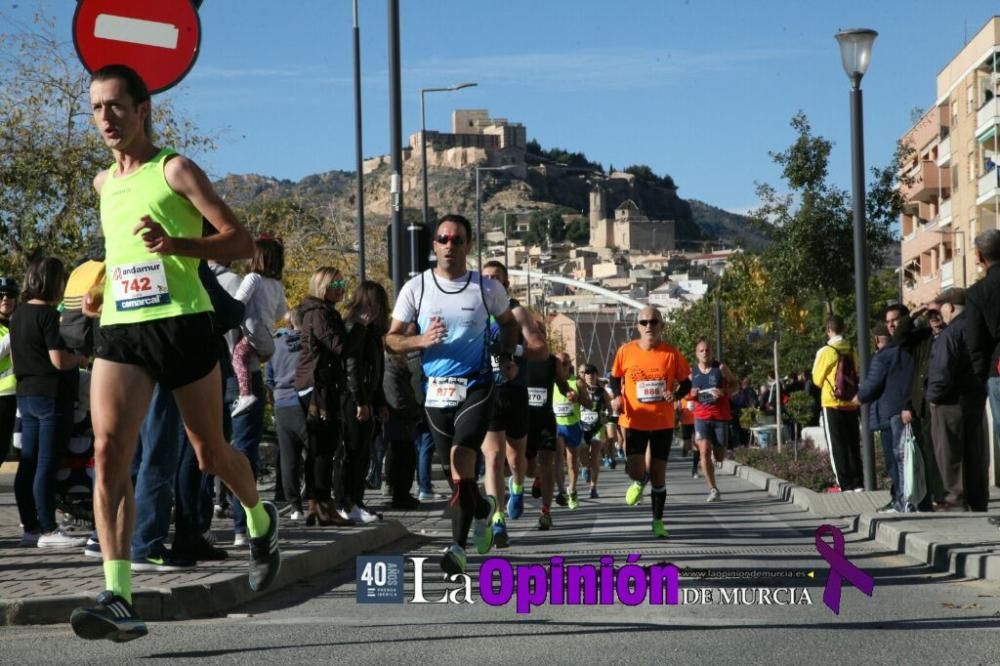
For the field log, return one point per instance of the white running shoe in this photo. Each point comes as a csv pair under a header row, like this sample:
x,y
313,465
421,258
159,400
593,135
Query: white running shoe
x,y
59,539
242,404
714,495
240,540
360,515
296,516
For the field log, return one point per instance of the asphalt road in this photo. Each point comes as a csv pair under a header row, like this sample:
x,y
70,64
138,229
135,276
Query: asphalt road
x,y
914,616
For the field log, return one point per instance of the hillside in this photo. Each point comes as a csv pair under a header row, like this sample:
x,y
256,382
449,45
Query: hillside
x,y
331,195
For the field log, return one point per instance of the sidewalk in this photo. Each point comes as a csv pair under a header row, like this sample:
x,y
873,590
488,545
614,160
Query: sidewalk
x,y
964,544
39,586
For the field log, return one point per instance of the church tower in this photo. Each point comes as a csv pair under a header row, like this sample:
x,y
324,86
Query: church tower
x,y
600,225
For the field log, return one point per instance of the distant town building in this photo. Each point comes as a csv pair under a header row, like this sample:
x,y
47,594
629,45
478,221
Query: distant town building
x,y
954,183
629,229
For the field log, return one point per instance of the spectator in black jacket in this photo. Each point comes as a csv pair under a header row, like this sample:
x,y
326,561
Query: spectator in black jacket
x,y
886,391
983,314
366,323
957,400
914,336
401,428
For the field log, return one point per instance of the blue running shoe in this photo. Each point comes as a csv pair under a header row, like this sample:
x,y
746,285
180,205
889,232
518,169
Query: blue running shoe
x,y
500,537
515,503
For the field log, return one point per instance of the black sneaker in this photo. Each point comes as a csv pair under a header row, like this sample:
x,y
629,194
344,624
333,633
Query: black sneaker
x,y
161,563
561,499
405,503
200,551
265,557
112,618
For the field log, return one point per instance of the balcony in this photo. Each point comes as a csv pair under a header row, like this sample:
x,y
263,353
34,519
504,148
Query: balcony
x,y
943,218
988,116
926,184
947,275
944,151
989,187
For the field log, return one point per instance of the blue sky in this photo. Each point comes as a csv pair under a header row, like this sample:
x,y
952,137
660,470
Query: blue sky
x,y
701,89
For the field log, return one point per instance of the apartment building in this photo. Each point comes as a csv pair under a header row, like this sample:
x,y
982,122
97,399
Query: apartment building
x,y
953,188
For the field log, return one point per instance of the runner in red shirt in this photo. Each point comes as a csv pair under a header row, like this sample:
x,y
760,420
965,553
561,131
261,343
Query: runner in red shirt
x,y
711,385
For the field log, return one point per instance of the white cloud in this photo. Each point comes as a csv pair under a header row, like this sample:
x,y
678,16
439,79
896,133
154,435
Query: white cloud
x,y
620,68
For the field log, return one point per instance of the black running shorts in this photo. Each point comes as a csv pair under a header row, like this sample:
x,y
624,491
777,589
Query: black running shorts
x,y
541,432
510,411
175,351
659,441
464,425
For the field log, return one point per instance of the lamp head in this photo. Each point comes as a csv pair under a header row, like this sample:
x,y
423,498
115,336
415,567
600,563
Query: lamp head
x,y
856,51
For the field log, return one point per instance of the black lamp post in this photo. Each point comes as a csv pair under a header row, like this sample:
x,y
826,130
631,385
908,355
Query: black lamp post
x,y
423,162
856,52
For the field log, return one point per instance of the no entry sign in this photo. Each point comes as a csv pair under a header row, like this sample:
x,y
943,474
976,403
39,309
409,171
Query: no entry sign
x,y
159,39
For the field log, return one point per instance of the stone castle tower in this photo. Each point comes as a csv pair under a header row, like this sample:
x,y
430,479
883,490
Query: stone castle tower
x,y
601,228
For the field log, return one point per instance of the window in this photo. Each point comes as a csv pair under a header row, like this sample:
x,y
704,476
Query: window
x,y
970,99
954,113
954,178
971,161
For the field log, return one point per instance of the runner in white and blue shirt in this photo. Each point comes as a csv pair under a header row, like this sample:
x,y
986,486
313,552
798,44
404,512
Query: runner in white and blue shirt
x,y
445,314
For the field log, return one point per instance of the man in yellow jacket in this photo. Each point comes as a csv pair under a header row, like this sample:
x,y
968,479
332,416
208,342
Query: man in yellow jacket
x,y
841,424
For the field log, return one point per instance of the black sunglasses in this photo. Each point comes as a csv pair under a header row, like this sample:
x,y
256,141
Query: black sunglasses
x,y
454,239
649,322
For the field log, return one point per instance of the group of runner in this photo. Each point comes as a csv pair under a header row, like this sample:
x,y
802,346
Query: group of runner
x,y
492,386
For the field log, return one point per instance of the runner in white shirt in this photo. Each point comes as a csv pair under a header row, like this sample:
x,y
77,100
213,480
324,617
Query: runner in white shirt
x,y
444,313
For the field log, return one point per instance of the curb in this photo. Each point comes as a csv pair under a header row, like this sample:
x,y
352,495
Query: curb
x,y
897,532
211,599
942,552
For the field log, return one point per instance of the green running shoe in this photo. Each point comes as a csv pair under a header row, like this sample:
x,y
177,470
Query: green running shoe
x,y
659,531
453,560
482,528
634,493
573,500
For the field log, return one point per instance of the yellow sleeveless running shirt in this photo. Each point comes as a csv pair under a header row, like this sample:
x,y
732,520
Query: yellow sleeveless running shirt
x,y
8,382
141,285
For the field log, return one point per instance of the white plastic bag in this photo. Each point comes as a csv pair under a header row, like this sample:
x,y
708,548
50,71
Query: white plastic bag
x,y
914,479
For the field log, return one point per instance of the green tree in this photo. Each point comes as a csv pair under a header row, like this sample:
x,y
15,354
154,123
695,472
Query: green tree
x,y
49,151
642,173
814,252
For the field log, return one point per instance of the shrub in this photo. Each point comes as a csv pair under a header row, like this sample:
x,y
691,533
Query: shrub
x,y
811,470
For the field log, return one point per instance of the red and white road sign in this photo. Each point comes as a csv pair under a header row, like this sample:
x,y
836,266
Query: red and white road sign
x,y
157,39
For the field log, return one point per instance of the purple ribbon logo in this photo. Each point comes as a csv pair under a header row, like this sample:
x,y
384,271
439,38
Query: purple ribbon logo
x,y
840,568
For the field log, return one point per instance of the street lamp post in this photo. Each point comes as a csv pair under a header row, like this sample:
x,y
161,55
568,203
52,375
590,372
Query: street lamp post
x,y
358,157
423,163
479,212
855,53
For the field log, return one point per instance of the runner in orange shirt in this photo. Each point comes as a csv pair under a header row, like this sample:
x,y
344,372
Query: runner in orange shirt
x,y
648,376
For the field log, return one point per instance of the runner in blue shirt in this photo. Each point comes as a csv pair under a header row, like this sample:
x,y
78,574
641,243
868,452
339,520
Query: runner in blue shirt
x,y
445,314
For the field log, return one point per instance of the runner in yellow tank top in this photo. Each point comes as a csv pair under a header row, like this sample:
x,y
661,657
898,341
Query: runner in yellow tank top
x,y
156,328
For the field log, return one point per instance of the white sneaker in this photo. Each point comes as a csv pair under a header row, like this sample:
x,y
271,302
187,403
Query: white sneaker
x,y
296,516
242,404
240,540
361,515
714,495
59,539
29,539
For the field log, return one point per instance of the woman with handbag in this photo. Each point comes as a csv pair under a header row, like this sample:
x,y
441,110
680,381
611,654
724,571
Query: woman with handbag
x,y
319,380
